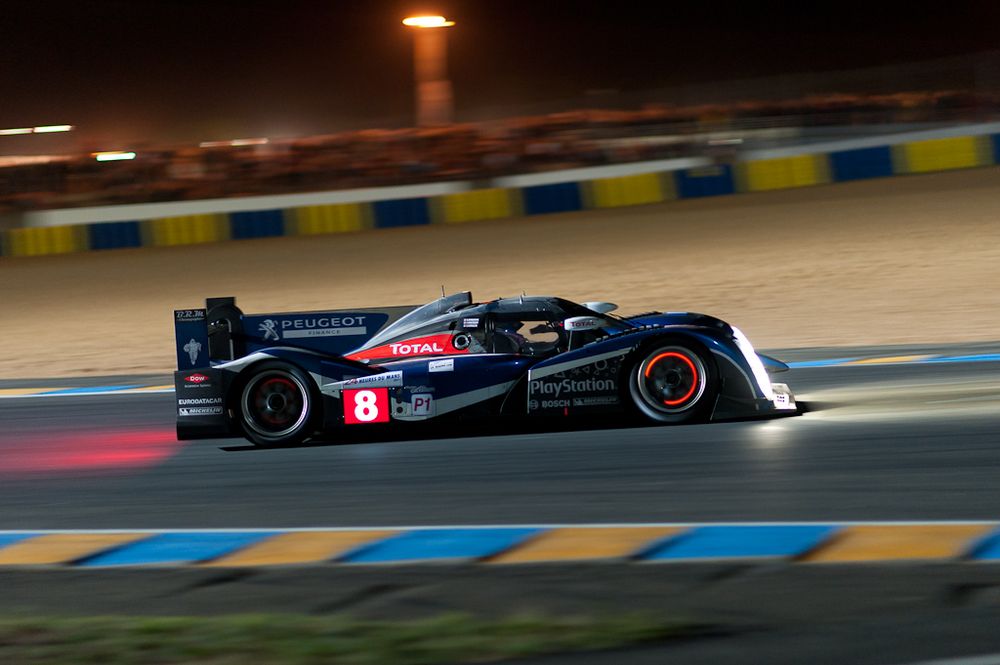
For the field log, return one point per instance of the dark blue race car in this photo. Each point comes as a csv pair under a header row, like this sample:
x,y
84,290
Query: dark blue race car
x,y
279,379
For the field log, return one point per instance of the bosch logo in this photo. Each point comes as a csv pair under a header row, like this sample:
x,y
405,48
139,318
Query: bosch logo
x,y
196,378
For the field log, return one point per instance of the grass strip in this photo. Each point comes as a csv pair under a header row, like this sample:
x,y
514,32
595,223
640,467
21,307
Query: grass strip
x,y
285,639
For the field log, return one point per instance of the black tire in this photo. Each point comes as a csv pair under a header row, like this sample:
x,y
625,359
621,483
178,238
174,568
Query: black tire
x,y
278,405
673,382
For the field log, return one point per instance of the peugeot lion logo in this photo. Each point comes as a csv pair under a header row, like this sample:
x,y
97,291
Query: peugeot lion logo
x,y
193,348
267,327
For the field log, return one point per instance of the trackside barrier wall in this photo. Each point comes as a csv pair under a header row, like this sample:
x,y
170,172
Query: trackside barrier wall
x,y
706,181
480,204
861,163
447,204
332,218
783,173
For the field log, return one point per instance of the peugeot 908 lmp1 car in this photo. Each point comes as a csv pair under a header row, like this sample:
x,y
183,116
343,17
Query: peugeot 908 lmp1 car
x,y
279,379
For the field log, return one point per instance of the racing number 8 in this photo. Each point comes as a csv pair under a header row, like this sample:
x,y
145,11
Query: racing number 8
x,y
370,405
365,406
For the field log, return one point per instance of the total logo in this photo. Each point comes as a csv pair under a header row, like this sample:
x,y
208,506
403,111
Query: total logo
x,y
196,378
419,346
415,349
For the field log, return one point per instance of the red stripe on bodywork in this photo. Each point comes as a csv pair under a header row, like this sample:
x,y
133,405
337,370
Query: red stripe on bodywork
x,y
430,345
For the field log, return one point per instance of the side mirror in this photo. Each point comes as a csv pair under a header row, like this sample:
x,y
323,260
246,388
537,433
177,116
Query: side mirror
x,y
578,323
601,307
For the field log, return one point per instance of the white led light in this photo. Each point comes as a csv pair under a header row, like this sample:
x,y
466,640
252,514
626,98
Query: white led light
x,y
113,156
427,22
759,373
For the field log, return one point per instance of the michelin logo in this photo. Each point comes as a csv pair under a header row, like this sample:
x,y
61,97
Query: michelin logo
x,y
569,387
200,411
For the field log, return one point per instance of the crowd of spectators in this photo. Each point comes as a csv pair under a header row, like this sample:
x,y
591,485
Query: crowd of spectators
x,y
379,157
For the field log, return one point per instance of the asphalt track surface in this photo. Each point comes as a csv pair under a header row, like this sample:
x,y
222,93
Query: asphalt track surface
x,y
879,442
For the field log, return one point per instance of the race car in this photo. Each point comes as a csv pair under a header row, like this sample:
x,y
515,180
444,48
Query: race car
x,y
281,379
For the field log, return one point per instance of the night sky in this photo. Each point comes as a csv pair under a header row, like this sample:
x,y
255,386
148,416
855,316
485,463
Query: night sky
x,y
207,69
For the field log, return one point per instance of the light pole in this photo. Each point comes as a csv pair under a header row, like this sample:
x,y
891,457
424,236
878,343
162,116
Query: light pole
x,y
430,66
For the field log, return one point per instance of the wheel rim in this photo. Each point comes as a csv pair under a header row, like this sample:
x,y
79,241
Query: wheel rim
x,y
671,380
275,404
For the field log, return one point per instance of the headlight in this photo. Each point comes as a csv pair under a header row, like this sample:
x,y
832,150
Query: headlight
x,y
759,373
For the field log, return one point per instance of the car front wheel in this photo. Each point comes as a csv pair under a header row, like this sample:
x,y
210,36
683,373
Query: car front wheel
x,y
673,383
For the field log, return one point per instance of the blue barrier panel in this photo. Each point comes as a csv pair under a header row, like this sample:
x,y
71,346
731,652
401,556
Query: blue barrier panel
x,y
424,544
987,549
705,181
544,199
861,164
114,235
723,542
177,548
995,143
402,212
257,224
11,538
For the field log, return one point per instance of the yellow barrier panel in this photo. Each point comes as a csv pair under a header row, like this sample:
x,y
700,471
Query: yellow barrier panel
x,y
331,218
476,205
40,241
942,154
186,230
784,172
627,191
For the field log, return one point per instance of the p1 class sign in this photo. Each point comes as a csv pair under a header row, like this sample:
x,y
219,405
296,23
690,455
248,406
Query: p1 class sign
x,y
366,406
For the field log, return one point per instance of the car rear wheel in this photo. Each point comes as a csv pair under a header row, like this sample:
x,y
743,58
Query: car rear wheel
x,y
277,405
673,383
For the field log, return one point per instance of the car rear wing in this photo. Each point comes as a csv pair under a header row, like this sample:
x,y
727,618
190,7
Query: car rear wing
x,y
221,331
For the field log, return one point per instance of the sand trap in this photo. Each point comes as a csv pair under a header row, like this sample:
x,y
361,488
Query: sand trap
x,y
899,260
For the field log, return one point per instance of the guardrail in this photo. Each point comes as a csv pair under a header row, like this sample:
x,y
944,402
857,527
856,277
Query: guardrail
x,y
453,203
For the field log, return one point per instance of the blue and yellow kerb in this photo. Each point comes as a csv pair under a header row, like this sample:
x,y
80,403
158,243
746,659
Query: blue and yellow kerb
x,y
507,545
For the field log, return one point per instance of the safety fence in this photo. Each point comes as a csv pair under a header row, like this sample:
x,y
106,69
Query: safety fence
x,y
753,175
813,543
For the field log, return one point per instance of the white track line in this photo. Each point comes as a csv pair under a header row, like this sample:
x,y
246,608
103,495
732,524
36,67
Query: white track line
x,y
604,525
